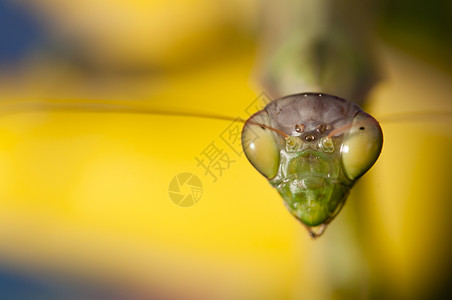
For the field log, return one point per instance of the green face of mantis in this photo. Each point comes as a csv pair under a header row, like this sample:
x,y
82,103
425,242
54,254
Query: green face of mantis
x,y
312,148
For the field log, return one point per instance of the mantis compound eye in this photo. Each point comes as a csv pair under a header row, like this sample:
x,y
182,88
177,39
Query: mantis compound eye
x,y
361,146
261,145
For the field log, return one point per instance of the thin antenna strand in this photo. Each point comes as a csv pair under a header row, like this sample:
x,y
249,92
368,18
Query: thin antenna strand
x,y
23,107
106,107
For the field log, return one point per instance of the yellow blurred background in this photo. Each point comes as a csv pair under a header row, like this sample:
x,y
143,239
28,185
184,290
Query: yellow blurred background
x,y
85,211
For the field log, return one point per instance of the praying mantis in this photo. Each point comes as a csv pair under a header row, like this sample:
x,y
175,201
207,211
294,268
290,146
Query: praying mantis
x,y
305,144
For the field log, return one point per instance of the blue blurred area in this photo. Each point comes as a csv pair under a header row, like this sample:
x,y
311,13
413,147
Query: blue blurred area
x,y
21,286
14,286
20,32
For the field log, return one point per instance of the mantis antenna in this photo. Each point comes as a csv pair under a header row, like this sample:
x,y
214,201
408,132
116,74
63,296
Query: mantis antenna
x,y
87,106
